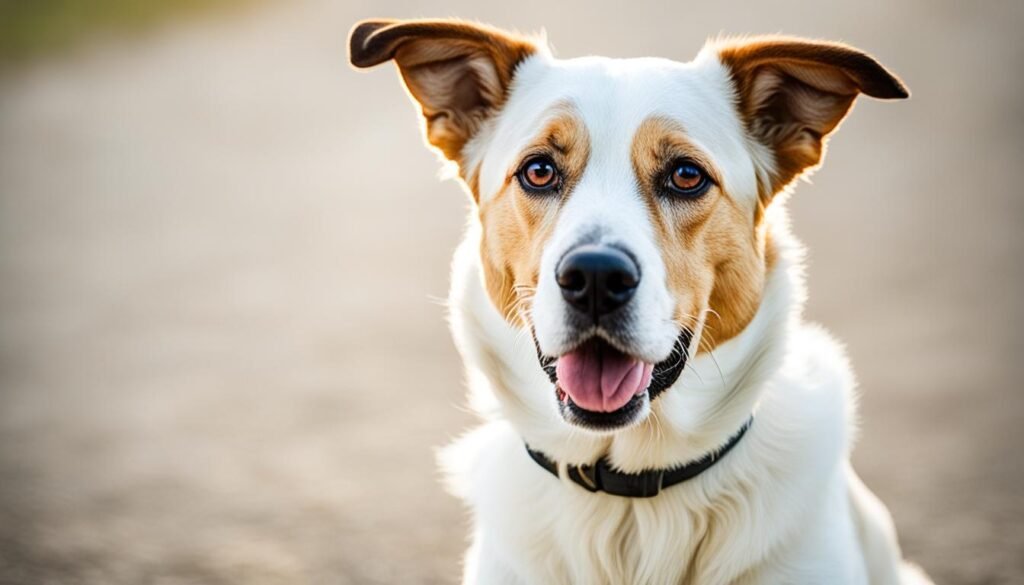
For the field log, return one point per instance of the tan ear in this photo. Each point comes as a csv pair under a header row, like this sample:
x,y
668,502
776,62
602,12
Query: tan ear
x,y
458,72
794,92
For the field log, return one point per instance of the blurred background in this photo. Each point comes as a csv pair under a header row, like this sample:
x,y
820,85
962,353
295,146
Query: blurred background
x,y
221,355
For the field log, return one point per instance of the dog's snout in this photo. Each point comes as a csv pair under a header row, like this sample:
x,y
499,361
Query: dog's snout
x,y
597,279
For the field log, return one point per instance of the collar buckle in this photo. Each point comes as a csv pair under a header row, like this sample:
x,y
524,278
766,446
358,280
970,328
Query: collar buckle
x,y
586,476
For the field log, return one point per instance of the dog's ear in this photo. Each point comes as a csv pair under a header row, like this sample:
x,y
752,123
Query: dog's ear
x,y
792,93
458,72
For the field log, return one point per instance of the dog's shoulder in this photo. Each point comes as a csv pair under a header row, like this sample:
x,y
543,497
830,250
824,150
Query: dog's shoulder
x,y
467,462
814,394
817,365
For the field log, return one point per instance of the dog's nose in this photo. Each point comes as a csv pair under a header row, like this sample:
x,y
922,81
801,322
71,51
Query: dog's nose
x,y
597,279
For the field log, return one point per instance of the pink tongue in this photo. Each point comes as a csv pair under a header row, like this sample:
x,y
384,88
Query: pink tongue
x,y
600,378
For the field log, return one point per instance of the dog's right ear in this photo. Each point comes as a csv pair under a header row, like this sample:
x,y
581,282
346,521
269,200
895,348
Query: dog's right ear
x,y
458,72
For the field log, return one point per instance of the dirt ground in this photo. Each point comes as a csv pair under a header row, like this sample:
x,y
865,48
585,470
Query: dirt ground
x,y
223,360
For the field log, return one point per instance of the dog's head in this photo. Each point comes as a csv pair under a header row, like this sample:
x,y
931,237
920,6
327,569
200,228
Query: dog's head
x,y
623,201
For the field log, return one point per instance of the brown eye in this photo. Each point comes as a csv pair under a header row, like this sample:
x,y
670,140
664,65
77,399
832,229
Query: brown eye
x,y
688,179
539,175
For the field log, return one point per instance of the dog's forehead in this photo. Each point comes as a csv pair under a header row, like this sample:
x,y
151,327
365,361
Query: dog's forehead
x,y
612,98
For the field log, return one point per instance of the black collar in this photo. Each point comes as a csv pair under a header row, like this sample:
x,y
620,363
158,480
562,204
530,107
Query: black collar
x,y
600,477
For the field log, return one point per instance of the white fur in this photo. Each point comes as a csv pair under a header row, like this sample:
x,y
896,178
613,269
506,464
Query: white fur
x,y
784,506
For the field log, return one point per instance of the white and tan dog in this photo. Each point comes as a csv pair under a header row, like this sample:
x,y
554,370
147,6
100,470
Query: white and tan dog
x,y
627,300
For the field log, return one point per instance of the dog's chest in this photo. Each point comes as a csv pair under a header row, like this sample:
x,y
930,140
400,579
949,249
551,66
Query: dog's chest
x,y
599,539
635,542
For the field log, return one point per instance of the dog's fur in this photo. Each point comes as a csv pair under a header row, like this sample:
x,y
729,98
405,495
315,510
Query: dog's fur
x,y
784,506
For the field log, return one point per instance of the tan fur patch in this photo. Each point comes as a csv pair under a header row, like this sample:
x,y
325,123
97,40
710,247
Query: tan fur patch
x,y
713,247
517,224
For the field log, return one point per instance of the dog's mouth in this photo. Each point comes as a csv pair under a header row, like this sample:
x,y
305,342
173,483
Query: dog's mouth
x,y
600,387
599,378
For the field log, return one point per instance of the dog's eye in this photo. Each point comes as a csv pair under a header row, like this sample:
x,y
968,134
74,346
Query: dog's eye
x,y
539,174
688,179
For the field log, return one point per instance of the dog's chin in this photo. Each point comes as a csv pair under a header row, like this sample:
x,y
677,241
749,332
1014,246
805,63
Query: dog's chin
x,y
615,388
634,411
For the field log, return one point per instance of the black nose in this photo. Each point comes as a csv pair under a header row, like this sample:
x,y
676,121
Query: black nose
x,y
597,279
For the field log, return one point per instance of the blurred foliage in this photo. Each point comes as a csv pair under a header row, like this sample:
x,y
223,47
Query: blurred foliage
x,y
29,28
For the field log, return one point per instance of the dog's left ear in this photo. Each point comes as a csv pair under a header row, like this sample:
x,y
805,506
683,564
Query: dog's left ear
x,y
793,93
459,72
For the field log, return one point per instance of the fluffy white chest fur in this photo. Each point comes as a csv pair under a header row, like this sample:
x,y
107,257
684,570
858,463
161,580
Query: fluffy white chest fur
x,y
628,292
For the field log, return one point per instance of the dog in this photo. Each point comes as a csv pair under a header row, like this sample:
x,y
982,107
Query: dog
x,y
627,301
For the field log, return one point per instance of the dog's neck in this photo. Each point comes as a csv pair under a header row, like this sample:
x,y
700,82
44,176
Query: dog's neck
x,y
717,392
